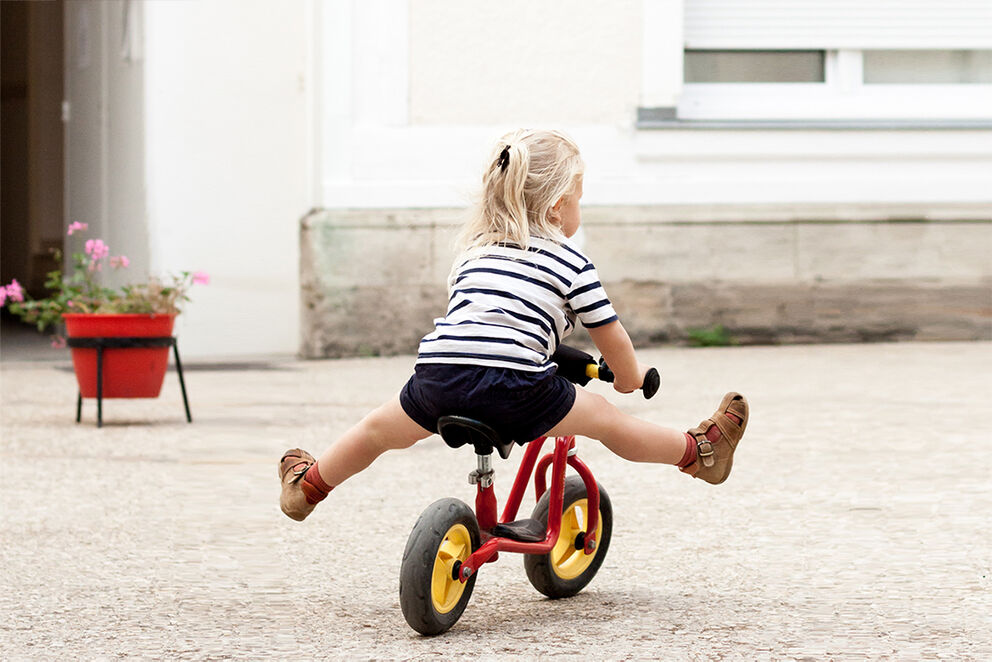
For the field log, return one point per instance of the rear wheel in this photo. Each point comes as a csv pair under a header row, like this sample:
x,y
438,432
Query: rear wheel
x,y
566,569
431,595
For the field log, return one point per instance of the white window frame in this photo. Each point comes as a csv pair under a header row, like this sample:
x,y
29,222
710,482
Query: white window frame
x,y
842,96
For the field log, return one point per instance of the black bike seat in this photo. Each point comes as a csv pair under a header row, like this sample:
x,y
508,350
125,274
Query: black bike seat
x,y
458,431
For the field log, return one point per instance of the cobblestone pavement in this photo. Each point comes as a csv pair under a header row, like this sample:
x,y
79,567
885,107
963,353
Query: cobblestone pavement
x,y
856,524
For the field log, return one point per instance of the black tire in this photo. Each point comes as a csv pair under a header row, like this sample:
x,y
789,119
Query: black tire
x,y
542,569
438,525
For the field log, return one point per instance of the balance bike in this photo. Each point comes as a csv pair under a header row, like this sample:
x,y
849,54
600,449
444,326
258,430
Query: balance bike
x,y
450,542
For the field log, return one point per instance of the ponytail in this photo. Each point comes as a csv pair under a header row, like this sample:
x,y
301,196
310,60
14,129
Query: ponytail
x,y
528,172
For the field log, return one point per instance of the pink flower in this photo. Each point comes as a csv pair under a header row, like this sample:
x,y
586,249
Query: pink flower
x,y
96,249
15,291
119,262
69,303
201,278
73,227
3,295
58,342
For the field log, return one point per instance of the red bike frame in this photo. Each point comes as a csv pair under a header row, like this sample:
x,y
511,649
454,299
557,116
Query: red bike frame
x,y
485,504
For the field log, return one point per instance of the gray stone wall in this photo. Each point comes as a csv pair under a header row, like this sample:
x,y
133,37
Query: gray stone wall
x,y
373,280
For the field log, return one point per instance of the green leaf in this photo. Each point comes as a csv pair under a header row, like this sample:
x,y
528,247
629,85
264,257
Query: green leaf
x,y
714,336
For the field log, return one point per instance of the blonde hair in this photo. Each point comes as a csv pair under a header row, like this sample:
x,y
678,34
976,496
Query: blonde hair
x,y
528,172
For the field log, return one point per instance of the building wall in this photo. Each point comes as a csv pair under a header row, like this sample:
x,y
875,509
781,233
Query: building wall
x,y
835,220
228,170
494,63
416,92
202,132
105,177
373,280
189,149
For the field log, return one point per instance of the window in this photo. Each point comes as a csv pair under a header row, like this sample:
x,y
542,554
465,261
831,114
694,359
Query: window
x,y
847,61
927,67
845,85
711,66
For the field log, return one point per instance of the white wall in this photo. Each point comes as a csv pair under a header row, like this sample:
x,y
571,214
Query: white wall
x,y
464,73
228,164
104,134
205,141
522,61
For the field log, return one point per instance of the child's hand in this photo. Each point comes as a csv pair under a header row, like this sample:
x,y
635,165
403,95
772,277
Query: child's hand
x,y
625,384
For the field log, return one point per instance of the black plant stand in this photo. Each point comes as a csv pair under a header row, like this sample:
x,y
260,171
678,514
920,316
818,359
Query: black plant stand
x,y
100,344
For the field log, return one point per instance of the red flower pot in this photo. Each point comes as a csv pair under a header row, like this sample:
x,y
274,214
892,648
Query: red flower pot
x,y
134,372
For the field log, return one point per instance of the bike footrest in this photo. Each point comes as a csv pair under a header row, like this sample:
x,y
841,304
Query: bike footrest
x,y
522,530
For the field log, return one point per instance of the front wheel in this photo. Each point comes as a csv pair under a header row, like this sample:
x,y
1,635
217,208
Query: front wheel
x,y
431,595
566,569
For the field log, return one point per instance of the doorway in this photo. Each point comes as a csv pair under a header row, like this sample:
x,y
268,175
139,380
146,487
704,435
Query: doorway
x,y
32,145
31,190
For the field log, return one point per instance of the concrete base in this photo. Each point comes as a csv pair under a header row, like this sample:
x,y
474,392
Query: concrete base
x,y
758,313
373,280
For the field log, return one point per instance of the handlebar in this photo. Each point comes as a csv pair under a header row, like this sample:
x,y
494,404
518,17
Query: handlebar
x,y
579,367
602,372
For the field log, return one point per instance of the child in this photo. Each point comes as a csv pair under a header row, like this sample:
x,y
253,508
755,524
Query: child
x,y
516,291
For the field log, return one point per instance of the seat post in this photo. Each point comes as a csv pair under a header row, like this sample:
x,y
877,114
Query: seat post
x,y
485,495
483,475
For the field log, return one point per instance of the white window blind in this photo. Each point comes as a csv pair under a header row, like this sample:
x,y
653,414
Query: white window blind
x,y
838,24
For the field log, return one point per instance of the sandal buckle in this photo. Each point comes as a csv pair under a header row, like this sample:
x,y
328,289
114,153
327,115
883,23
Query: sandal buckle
x,y
298,474
704,450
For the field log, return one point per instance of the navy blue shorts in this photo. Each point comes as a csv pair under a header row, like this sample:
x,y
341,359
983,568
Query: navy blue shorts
x,y
521,406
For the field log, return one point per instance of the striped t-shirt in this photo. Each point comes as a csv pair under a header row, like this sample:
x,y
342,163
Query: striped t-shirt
x,y
510,308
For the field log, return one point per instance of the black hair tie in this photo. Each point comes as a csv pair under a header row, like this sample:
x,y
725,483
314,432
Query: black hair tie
x,y
504,159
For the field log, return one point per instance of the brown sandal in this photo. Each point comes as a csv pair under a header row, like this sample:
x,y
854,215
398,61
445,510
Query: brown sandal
x,y
714,459
292,467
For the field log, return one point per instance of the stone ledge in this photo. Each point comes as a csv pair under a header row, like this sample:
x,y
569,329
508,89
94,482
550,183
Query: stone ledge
x,y
373,281
937,212
761,313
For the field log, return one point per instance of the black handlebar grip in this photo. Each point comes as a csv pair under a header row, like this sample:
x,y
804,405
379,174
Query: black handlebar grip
x,y
652,382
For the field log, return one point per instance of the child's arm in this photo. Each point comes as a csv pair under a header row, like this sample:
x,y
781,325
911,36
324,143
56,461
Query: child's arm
x,y
614,344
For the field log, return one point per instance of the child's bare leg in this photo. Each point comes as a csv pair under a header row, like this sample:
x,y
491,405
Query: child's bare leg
x,y
705,451
631,438
385,428
305,481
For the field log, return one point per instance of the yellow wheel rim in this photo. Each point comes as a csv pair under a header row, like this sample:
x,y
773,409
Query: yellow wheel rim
x,y
566,561
445,590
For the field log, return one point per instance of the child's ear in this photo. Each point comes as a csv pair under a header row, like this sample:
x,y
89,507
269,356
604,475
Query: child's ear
x,y
557,205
